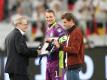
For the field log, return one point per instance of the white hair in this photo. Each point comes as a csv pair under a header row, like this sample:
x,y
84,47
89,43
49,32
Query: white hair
x,y
18,19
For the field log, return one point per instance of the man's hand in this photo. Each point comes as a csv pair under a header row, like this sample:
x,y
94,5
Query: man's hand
x,y
48,40
39,51
56,43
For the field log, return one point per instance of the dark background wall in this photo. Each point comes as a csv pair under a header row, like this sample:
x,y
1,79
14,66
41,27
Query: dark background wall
x,y
97,57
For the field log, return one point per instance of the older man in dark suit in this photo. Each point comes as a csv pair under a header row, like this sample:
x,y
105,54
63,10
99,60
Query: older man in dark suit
x,y
17,50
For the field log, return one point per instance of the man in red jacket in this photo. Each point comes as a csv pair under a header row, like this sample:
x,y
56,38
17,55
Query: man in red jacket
x,y
74,47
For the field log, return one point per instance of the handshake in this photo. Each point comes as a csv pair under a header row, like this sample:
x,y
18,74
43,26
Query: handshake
x,y
48,47
50,44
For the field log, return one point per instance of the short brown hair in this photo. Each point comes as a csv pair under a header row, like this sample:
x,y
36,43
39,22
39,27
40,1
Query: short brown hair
x,y
68,16
50,11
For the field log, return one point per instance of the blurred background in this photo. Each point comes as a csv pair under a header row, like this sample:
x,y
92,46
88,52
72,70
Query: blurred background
x,y
91,16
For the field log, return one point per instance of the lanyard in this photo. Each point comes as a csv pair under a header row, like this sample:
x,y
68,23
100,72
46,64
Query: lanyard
x,y
66,52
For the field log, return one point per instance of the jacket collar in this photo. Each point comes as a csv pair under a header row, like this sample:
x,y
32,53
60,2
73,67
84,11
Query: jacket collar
x,y
71,29
19,31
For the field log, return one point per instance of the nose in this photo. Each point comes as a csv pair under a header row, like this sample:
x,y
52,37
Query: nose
x,y
48,19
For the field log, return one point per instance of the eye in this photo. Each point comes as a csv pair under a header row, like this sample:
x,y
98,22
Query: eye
x,y
46,17
50,17
64,22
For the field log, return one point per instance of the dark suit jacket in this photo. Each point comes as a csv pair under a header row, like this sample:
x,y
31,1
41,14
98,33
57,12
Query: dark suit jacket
x,y
18,53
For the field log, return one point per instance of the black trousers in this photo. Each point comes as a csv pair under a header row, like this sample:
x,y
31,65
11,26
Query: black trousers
x,y
18,77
